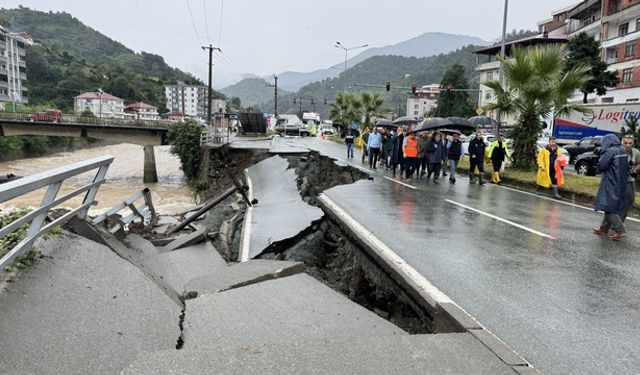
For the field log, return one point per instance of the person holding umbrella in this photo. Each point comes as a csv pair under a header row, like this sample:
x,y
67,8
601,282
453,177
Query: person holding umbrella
x,y
423,142
498,153
397,154
411,150
436,153
454,152
476,158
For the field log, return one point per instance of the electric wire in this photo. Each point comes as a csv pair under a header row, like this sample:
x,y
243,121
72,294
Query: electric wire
x,y
193,22
206,19
220,29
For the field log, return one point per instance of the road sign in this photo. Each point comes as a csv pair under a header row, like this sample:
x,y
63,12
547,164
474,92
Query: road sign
x,y
479,111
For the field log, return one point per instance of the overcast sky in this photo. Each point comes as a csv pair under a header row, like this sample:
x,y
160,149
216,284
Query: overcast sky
x,y
271,36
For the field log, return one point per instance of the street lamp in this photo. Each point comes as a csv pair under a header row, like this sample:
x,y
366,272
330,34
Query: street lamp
x,y
502,53
346,54
100,93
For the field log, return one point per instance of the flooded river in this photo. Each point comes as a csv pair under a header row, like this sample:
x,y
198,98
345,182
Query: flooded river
x,y
124,178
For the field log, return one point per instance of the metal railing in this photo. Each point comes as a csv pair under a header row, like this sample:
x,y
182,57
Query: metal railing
x,y
211,136
53,180
144,211
81,120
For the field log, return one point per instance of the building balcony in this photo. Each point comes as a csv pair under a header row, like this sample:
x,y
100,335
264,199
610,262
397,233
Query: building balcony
x,y
590,28
617,14
620,39
493,65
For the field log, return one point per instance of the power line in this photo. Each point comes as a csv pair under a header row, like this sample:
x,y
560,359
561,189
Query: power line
x,y
193,22
206,19
220,29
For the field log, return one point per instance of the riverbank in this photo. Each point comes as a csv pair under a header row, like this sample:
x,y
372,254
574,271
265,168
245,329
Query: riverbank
x,y
25,147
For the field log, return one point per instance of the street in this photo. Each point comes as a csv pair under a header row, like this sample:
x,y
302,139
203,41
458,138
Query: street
x,y
527,268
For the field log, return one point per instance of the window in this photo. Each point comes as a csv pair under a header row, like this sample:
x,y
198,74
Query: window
x,y
623,29
415,106
627,75
638,24
633,100
607,100
630,48
487,95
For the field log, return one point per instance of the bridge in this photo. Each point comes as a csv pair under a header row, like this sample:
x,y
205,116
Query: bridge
x,y
142,132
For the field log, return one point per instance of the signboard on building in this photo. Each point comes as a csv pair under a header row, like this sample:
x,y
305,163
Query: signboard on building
x,y
603,120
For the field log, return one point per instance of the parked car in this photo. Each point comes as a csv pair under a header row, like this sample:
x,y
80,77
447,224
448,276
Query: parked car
x,y
587,144
586,163
48,115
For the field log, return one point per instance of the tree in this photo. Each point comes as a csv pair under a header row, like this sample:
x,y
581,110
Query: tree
x,y
632,129
537,81
345,109
371,103
184,139
585,50
454,103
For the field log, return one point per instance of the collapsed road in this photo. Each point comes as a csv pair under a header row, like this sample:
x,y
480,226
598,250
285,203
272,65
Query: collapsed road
x,y
284,285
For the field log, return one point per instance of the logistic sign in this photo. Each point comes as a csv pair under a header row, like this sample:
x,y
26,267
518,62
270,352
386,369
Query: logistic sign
x,y
603,120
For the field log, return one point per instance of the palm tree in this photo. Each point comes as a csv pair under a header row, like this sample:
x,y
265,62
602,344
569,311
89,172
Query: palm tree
x,y
537,84
371,103
345,109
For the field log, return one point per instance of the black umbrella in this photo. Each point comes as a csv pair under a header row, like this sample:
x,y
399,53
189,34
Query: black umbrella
x,y
405,120
434,124
459,121
449,131
384,123
482,121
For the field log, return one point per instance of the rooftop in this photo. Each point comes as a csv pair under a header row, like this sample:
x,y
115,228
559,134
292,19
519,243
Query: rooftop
x,y
97,95
525,42
140,105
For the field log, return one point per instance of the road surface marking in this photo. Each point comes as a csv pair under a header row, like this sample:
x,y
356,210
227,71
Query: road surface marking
x,y
246,227
401,183
500,219
388,255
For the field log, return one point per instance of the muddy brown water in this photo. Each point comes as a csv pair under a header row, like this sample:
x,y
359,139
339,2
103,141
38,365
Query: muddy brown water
x,y
170,194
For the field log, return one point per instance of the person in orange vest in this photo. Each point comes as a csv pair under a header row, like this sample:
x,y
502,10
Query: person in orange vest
x,y
410,149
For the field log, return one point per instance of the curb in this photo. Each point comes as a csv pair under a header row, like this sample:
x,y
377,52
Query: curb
x,y
448,317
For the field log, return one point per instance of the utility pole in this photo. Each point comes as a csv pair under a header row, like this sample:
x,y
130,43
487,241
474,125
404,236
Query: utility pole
x,y
300,106
211,49
502,53
275,95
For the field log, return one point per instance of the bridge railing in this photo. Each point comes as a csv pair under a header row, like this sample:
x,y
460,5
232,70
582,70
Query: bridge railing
x,y
74,119
210,136
53,180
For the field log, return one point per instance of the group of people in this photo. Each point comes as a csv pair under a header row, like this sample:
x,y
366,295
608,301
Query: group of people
x,y
433,154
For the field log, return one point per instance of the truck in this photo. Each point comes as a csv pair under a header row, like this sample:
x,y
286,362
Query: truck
x,y
290,125
602,120
310,122
47,115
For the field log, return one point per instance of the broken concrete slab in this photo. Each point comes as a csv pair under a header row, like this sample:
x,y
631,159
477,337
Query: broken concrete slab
x,y
456,353
280,213
292,308
142,244
165,220
177,267
241,274
84,310
185,240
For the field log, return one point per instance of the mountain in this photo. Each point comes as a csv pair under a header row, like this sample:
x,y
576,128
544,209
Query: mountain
x,y
427,44
252,91
62,32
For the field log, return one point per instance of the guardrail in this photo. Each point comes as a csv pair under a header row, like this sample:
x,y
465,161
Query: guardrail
x,y
211,136
80,120
144,211
53,179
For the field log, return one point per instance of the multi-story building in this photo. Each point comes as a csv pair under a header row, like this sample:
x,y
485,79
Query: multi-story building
x,y
13,68
101,104
187,99
423,101
141,111
488,66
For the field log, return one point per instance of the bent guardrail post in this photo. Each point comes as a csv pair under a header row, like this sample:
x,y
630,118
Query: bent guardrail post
x,y
52,179
145,211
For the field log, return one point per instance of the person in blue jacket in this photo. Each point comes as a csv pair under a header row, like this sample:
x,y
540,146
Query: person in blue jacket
x,y
614,166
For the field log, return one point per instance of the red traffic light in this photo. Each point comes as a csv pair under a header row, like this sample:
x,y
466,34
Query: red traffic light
x,y
413,88
388,86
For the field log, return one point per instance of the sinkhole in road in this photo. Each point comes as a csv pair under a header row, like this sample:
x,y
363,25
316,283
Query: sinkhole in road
x,y
333,256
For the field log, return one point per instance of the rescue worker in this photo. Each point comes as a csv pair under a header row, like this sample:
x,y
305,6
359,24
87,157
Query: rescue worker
x,y
411,150
549,172
498,153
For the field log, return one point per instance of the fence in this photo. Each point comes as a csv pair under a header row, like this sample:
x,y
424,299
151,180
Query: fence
x,y
53,180
87,120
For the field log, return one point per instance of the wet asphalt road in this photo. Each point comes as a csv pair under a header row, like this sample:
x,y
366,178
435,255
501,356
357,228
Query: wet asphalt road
x,y
569,304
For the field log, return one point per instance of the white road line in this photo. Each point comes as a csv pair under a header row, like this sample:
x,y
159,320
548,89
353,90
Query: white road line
x,y
401,183
385,252
500,219
246,227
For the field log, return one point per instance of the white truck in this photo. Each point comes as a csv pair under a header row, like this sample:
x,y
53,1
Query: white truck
x,y
604,119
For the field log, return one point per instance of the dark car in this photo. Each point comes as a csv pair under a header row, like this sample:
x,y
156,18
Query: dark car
x,y
587,144
586,163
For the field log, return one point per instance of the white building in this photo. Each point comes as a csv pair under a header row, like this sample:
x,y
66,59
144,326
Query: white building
x,y
101,104
142,111
13,68
423,101
187,99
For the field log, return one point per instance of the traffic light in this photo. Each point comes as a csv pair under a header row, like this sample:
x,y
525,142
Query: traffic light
x,y
413,88
294,100
325,102
388,86
312,102
449,88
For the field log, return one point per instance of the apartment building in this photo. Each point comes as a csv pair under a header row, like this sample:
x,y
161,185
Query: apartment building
x,y
425,99
189,100
13,68
101,104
